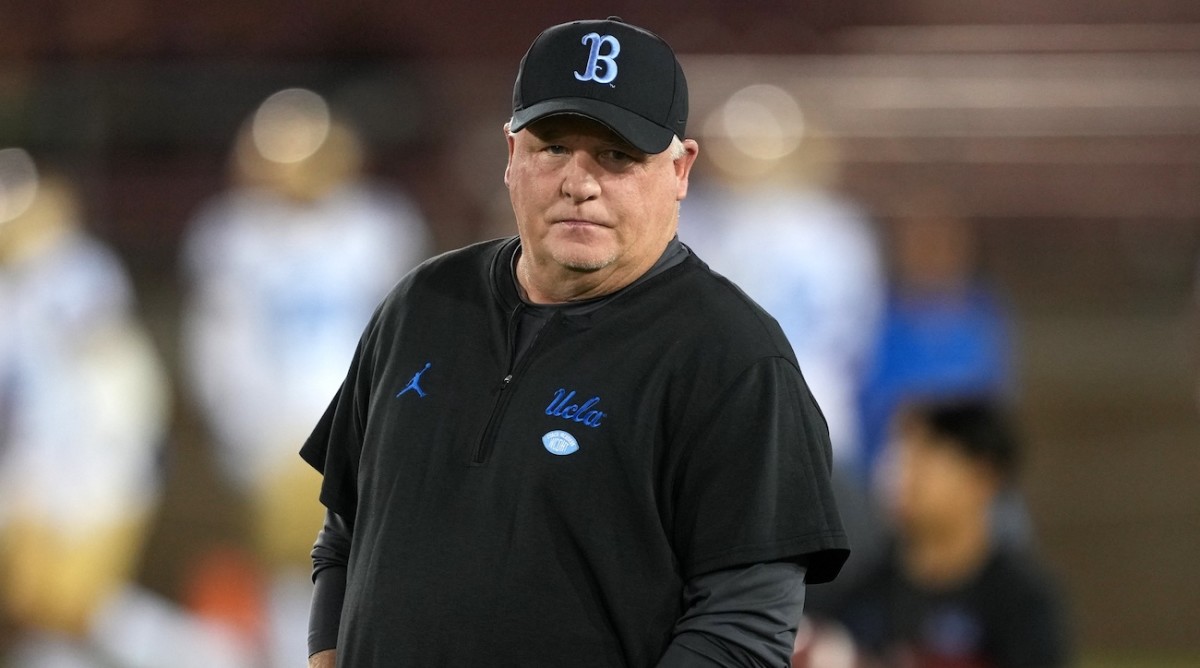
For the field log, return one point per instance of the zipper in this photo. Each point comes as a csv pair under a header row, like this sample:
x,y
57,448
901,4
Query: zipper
x,y
483,449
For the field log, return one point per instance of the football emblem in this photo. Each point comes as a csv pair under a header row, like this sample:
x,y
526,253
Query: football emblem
x,y
559,442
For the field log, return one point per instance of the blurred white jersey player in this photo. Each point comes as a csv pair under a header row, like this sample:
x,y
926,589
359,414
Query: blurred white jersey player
x,y
83,415
807,256
285,270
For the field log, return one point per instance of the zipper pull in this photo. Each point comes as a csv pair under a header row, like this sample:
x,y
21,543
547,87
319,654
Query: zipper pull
x,y
504,383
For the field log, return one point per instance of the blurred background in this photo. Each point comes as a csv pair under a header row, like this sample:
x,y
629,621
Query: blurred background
x,y
191,195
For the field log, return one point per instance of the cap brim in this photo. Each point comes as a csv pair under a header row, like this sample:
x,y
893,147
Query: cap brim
x,y
645,135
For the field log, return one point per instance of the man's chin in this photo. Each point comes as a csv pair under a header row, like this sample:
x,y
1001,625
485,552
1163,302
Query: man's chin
x,y
584,263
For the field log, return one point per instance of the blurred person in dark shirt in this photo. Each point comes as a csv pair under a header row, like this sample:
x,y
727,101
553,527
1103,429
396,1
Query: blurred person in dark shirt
x,y
950,593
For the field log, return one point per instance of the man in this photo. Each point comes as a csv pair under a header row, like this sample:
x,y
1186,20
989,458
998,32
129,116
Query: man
x,y
613,459
952,594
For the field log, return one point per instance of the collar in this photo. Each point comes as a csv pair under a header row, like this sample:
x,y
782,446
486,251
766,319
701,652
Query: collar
x,y
504,276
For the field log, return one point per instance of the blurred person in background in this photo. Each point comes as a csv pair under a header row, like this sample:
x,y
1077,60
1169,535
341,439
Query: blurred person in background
x,y
945,333
771,220
285,270
83,414
950,594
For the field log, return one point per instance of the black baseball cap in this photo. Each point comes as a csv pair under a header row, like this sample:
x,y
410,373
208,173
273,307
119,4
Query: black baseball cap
x,y
621,75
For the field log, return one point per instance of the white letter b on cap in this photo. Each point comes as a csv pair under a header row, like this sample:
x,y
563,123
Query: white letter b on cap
x,y
595,58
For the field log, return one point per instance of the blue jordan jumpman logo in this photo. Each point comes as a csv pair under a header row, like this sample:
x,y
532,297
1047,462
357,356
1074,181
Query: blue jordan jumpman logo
x,y
415,383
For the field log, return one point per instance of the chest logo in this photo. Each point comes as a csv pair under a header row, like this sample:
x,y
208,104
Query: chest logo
x,y
594,71
414,385
564,406
559,442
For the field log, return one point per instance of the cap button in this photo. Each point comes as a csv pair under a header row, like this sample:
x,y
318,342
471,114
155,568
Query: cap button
x,y
618,19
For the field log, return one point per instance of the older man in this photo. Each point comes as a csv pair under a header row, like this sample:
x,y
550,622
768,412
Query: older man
x,y
613,459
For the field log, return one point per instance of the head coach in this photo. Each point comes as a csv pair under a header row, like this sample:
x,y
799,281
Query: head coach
x,y
578,446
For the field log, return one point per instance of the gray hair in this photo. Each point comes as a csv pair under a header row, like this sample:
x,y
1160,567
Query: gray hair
x,y
676,148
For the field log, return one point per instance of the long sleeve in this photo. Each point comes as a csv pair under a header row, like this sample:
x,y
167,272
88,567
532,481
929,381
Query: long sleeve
x,y
739,617
330,554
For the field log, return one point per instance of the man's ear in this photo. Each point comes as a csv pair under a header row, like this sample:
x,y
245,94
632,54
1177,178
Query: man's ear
x,y
683,166
508,136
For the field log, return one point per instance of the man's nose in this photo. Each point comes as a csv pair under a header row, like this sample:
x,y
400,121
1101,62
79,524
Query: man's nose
x,y
579,178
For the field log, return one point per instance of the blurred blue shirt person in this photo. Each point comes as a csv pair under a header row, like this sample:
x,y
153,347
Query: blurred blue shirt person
x,y
945,332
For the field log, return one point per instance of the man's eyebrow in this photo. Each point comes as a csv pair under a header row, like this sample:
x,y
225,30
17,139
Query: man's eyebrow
x,y
553,132
617,142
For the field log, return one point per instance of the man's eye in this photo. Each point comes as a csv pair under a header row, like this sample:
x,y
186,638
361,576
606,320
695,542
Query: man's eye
x,y
556,149
616,156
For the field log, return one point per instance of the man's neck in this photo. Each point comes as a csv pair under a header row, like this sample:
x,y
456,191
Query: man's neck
x,y
561,286
550,283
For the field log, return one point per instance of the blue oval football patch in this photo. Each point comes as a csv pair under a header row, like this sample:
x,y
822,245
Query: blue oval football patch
x,y
559,442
